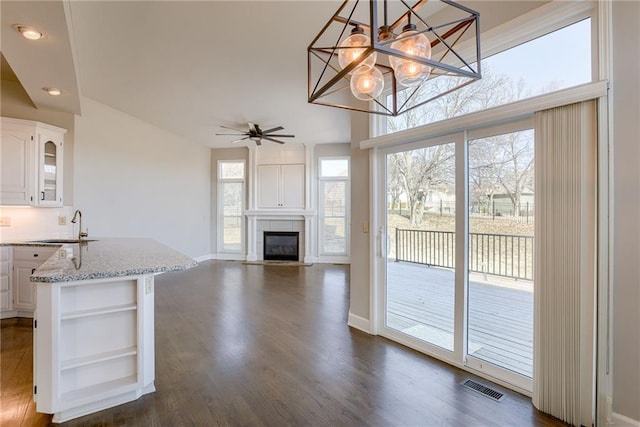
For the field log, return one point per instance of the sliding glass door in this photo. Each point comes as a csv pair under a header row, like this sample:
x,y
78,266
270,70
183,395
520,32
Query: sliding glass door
x,y
456,249
420,218
500,281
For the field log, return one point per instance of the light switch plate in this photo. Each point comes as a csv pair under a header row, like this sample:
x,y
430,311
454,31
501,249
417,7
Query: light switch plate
x,y
5,221
62,220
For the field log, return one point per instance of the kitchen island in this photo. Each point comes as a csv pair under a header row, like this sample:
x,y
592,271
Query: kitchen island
x,y
94,324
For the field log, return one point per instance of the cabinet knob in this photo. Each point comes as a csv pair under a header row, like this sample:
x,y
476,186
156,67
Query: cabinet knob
x,y
36,255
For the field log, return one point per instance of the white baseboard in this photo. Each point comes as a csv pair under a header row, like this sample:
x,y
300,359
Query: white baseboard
x,y
8,314
622,421
241,257
359,322
229,257
324,259
202,258
222,257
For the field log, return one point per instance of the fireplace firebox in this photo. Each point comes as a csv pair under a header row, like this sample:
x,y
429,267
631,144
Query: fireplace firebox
x,y
281,246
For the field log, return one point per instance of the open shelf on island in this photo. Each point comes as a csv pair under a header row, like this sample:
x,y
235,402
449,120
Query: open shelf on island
x,y
101,390
98,358
98,311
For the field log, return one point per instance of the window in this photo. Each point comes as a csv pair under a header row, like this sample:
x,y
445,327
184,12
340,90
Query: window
x,y
492,236
334,206
230,205
554,61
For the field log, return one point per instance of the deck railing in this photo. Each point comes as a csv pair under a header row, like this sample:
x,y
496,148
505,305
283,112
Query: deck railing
x,y
498,254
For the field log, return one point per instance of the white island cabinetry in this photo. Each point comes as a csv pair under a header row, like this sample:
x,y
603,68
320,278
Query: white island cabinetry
x,y
94,324
97,336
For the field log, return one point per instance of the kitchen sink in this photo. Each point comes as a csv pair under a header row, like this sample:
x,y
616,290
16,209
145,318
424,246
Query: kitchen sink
x,y
62,241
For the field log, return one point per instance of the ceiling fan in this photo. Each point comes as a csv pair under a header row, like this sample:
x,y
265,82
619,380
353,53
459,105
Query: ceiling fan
x,y
256,134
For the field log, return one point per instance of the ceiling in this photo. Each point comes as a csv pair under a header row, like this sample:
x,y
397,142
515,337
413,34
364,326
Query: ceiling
x,y
190,67
185,66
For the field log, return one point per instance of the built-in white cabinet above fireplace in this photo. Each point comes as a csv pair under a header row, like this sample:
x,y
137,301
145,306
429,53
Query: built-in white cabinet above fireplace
x,y
280,196
279,177
281,186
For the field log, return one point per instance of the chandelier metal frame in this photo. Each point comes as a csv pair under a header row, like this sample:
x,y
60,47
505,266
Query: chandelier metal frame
x,y
326,78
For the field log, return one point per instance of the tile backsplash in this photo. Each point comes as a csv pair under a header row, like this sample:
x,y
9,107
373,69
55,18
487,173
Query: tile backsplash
x,y
35,223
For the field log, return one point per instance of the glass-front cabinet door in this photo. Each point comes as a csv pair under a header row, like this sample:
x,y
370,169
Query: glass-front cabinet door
x,y
49,169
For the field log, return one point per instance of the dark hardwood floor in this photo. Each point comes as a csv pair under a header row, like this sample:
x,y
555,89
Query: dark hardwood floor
x,y
243,345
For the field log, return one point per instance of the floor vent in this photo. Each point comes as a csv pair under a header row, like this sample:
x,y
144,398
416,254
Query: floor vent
x,y
482,389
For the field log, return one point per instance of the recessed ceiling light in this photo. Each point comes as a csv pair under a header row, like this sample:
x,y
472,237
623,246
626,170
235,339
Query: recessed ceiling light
x,y
28,32
52,91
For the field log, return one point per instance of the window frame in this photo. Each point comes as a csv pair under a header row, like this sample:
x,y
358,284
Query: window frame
x,y
544,19
533,24
220,203
347,208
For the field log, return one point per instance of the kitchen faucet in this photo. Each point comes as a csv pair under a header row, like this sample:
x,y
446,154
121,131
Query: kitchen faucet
x,y
77,214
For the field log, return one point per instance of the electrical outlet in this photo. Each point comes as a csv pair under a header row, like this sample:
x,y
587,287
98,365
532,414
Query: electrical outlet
x,y
5,221
365,227
62,220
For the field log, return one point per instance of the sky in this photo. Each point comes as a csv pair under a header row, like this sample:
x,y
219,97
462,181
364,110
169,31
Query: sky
x,y
563,56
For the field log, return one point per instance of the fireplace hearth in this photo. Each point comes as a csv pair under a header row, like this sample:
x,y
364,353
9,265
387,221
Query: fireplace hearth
x,y
281,245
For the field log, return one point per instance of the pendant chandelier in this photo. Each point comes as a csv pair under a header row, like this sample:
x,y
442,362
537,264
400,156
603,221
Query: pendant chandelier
x,y
358,63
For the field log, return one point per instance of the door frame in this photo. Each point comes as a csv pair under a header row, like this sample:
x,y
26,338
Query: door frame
x,y
458,357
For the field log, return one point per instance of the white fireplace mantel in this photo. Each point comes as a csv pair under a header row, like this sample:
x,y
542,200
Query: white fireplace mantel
x,y
285,214
278,214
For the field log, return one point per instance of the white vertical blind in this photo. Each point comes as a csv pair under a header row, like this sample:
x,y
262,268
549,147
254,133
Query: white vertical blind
x,y
565,235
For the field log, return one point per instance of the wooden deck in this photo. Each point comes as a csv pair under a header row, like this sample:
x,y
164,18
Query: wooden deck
x,y
421,303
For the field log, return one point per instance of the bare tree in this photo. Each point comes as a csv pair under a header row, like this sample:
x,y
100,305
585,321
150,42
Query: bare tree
x,y
420,171
415,173
502,164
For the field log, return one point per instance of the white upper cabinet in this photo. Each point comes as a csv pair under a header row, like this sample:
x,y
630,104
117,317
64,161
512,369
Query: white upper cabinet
x,y
49,168
293,186
15,166
31,156
281,186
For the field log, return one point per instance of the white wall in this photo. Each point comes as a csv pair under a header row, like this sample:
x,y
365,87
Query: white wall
x,y
626,218
133,179
360,253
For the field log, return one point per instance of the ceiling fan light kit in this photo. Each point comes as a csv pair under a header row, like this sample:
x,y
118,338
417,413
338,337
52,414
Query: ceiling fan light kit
x,y
394,65
256,134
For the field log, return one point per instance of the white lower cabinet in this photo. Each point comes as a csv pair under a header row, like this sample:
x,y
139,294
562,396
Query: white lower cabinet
x,y
6,282
26,260
94,344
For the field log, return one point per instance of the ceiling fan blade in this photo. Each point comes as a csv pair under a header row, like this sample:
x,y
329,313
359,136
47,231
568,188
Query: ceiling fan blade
x,y
284,136
239,140
272,129
230,134
237,130
268,138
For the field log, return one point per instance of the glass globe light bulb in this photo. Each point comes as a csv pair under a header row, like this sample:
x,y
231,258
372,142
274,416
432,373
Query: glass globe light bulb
x,y
407,72
353,48
367,83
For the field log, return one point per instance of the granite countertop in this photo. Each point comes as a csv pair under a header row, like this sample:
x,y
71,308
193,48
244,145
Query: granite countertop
x,y
108,257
